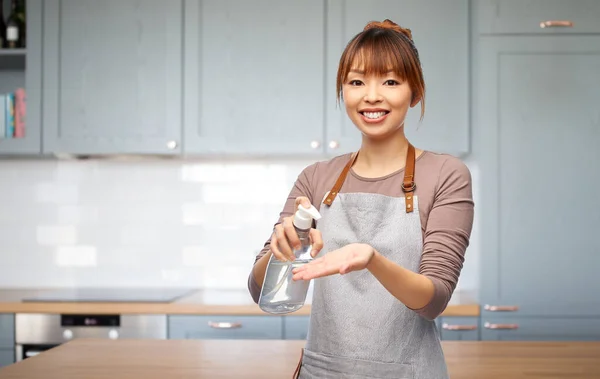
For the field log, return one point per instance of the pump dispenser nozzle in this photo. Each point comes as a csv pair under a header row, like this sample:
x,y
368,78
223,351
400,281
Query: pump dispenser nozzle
x,y
304,217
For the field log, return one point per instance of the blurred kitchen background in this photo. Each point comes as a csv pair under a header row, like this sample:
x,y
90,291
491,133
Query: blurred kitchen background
x,y
152,143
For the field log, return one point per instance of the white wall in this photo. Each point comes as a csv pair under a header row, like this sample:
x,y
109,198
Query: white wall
x,y
144,223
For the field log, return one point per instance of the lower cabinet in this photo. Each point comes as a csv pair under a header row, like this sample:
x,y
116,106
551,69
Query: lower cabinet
x,y
238,327
295,327
459,328
225,327
514,328
7,357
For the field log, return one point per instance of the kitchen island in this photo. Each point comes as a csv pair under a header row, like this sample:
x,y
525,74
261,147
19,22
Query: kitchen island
x,y
259,359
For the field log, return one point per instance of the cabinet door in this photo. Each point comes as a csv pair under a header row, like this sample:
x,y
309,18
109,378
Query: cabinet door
x,y
510,328
459,328
225,327
112,76
539,123
254,77
440,31
7,330
7,357
295,327
537,16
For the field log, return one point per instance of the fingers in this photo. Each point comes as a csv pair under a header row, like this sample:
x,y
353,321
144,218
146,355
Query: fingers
x,y
284,251
290,234
317,242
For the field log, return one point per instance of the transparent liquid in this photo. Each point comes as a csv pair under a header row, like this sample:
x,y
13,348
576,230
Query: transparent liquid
x,y
280,293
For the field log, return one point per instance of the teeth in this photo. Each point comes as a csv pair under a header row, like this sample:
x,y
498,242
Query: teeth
x,y
374,115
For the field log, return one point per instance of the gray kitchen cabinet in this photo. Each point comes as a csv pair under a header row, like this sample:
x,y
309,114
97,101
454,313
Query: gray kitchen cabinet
x,y
254,77
537,16
295,327
225,327
511,328
112,76
7,357
7,330
538,132
454,328
22,68
440,30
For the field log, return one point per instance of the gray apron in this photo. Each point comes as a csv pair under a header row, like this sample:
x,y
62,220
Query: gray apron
x,y
357,328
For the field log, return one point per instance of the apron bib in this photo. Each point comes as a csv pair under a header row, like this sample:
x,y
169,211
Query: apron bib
x,y
357,328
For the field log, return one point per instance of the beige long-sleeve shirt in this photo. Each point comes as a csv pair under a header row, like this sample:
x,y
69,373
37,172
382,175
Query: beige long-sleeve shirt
x,y
446,208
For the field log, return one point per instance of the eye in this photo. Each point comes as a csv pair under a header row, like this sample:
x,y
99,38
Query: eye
x,y
355,82
391,82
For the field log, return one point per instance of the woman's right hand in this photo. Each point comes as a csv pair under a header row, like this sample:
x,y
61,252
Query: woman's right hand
x,y
285,239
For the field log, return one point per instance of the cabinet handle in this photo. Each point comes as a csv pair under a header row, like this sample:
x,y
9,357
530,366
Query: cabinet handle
x,y
501,308
334,144
225,325
555,23
315,144
459,327
171,145
487,325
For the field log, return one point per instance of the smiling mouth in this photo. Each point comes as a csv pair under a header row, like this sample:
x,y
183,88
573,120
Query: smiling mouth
x,y
374,116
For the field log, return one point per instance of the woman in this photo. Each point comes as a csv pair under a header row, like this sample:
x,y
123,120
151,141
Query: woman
x,y
396,222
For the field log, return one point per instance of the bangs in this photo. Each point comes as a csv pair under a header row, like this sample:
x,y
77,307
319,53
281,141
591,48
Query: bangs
x,y
375,56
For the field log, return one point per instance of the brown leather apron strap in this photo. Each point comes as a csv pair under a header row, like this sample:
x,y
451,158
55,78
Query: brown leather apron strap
x,y
408,184
340,181
297,372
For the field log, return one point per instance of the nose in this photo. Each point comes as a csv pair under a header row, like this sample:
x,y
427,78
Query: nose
x,y
372,94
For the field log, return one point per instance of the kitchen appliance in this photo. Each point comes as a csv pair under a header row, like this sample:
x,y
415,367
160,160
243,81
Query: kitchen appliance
x,y
36,332
129,295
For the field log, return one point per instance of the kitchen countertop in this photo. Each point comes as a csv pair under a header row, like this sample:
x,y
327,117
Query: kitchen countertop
x,y
250,359
200,302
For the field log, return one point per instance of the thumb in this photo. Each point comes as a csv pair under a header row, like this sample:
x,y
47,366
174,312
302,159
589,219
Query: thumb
x,y
304,201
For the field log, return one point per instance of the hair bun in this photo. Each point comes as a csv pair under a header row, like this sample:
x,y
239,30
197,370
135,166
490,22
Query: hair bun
x,y
388,24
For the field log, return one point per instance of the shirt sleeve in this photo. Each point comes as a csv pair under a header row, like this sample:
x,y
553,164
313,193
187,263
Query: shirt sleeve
x,y
302,187
447,234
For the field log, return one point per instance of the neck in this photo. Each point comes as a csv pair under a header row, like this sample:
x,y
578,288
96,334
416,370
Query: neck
x,y
383,156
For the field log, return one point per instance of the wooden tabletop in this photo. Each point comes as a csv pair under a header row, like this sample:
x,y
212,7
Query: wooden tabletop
x,y
277,359
200,302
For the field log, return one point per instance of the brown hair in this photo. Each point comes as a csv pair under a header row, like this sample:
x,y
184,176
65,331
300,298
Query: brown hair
x,y
382,47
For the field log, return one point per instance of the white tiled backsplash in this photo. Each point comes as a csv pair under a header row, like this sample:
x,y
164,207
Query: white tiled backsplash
x,y
141,223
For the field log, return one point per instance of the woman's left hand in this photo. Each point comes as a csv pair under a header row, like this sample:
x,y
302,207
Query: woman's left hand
x,y
349,258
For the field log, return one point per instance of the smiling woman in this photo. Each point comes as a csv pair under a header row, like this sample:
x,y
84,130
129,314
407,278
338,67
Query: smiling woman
x,y
395,224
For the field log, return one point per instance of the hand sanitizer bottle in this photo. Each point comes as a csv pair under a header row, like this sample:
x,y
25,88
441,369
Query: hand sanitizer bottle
x,y
281,294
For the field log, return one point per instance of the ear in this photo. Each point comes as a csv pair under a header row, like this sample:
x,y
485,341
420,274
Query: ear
x,y
415,101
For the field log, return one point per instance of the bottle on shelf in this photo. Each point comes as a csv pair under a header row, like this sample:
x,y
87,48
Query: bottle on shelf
x,y
14,27
2,26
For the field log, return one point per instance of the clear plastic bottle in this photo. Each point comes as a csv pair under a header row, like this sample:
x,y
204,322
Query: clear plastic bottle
x,y
280,293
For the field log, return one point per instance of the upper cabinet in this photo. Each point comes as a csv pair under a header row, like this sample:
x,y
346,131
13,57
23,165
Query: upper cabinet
x,y
112,76
537,16
440,31
20,87
254,77
222,77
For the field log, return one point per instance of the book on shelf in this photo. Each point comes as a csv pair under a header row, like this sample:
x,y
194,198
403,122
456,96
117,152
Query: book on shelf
x,y
12,114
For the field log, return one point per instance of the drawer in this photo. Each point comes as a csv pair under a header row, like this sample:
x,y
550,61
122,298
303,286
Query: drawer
x,y
511,328
295,327
459,328
7,357
225,327
525,16
7,330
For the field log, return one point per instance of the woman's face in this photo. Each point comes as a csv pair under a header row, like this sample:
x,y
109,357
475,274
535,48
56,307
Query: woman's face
x,y
377,105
